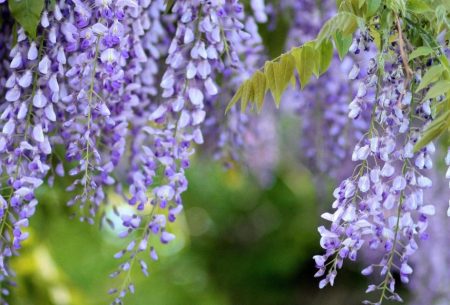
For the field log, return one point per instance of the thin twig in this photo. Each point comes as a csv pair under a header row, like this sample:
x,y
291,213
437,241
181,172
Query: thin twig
x,y
403,55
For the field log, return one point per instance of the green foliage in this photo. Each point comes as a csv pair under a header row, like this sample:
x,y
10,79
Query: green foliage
x,y
432,75
342,43
418,7
325,56
313,57
437,78
344,22
420,51
27,13
303,64
420,22
278,75
373,6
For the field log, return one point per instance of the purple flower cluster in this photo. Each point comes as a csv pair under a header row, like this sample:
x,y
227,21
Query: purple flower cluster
x,y
28,119
205,45
103,49
91,83
381,206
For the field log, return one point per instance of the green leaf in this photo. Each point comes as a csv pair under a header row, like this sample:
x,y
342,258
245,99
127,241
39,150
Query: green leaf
x,y
259,89
437,108
304,62
316,57
247,94
372,7
355,7
293,81
441,15
440,88
420,51
322,56
434,130
344,22
270,78
342,43
326,55
418,6
237,96
27,13
278,75
398,7
432,75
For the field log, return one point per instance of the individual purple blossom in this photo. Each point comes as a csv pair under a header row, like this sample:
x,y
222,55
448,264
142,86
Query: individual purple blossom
x,y
259,10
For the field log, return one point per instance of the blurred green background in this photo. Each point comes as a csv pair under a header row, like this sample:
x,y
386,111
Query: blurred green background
x,y
237,243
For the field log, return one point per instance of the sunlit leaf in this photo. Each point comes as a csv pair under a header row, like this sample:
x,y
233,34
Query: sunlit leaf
x,y
342,43
259,89
282,72
372,7
237,96
304,63
326,55
418,6
420,51
247,94
344,22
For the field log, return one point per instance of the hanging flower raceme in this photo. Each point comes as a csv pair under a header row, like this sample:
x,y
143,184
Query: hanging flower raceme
x,y
155,41
382,206
203,48
28,120
103,51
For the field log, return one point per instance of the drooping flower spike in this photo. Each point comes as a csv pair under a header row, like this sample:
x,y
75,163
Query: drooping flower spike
x,y
382,206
